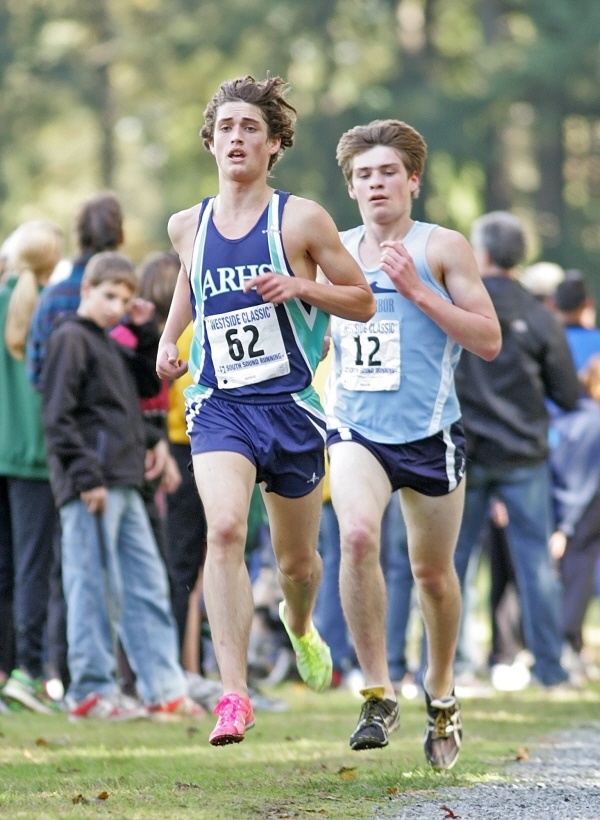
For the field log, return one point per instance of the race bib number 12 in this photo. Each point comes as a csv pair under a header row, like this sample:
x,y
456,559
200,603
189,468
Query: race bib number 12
x,y
370,355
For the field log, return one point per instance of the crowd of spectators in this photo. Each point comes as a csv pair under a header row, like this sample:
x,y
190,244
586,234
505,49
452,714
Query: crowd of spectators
x,y
539,595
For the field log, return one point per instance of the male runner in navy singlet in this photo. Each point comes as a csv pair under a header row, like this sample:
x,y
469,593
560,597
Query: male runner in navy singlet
x,y
263,270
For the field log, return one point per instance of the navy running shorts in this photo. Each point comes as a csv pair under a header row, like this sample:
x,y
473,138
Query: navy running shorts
x,y
431,466
284,441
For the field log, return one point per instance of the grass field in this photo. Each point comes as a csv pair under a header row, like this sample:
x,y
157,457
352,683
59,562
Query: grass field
x,y
295,764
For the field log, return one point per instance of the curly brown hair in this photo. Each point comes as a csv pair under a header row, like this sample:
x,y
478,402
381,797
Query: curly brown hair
x,y
267,95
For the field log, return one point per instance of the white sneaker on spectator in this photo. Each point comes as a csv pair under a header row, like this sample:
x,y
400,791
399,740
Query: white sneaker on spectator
x,y
510,677
469,685
204,691
116,706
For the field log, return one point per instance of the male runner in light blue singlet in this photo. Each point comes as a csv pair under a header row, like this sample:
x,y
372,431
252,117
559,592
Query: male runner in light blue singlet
x,y
394,421
249,260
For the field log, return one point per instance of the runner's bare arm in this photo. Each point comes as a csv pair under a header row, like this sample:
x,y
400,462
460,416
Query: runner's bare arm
x,y
470,319
168,363
311,239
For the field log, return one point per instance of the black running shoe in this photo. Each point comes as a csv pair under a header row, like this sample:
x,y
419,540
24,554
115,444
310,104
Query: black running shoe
x,y
378,717
443,734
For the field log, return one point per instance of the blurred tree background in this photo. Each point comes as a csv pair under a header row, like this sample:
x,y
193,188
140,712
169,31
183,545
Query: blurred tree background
x,y
110,94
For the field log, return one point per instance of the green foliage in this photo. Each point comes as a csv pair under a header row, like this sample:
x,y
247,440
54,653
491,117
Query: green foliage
x,y
111,94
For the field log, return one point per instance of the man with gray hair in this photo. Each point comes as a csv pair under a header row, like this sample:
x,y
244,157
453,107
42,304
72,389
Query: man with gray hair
x,y
506,424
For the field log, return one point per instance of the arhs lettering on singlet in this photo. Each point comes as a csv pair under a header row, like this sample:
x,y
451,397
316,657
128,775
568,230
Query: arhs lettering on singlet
x,y
228,280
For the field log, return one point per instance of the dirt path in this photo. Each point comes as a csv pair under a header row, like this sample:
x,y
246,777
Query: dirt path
x,y
560,780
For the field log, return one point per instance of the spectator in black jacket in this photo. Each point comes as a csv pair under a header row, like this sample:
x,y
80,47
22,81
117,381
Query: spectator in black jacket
x,y
506,422
96,441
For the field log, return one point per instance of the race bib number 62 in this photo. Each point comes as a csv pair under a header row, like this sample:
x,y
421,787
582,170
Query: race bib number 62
x,y
247,346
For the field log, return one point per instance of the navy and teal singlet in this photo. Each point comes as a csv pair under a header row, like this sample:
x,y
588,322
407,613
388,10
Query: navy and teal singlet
x,y
245,349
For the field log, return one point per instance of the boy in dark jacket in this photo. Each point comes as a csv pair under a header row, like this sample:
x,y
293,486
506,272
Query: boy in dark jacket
x,y
96,444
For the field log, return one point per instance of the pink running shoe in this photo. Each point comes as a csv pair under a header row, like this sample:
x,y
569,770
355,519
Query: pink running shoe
x,y
235,716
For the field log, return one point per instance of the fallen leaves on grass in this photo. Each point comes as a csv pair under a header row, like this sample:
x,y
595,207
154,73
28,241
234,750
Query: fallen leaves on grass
x,y
449,813
42,742
347,772
98,799
282,812
56,742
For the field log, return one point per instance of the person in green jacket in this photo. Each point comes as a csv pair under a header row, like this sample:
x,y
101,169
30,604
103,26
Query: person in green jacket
x,y
28,517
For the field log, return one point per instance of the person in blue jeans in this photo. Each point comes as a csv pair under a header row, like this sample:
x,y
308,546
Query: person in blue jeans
x,y
506,424
114,579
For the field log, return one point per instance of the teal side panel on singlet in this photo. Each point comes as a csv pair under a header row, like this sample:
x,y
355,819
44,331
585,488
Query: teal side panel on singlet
x,y
308,323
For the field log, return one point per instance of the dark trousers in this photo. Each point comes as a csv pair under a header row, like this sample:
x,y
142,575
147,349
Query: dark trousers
x,y
577,569
507,631
56,628
33,521
7,579
186,538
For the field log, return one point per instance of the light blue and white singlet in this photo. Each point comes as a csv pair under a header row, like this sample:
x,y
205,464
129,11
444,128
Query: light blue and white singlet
x,y
392,378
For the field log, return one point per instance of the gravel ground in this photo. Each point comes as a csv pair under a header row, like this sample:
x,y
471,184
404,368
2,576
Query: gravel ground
x,y
559,781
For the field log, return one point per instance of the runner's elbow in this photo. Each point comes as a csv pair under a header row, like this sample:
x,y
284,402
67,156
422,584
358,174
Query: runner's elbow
x,y
367,307
492,349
